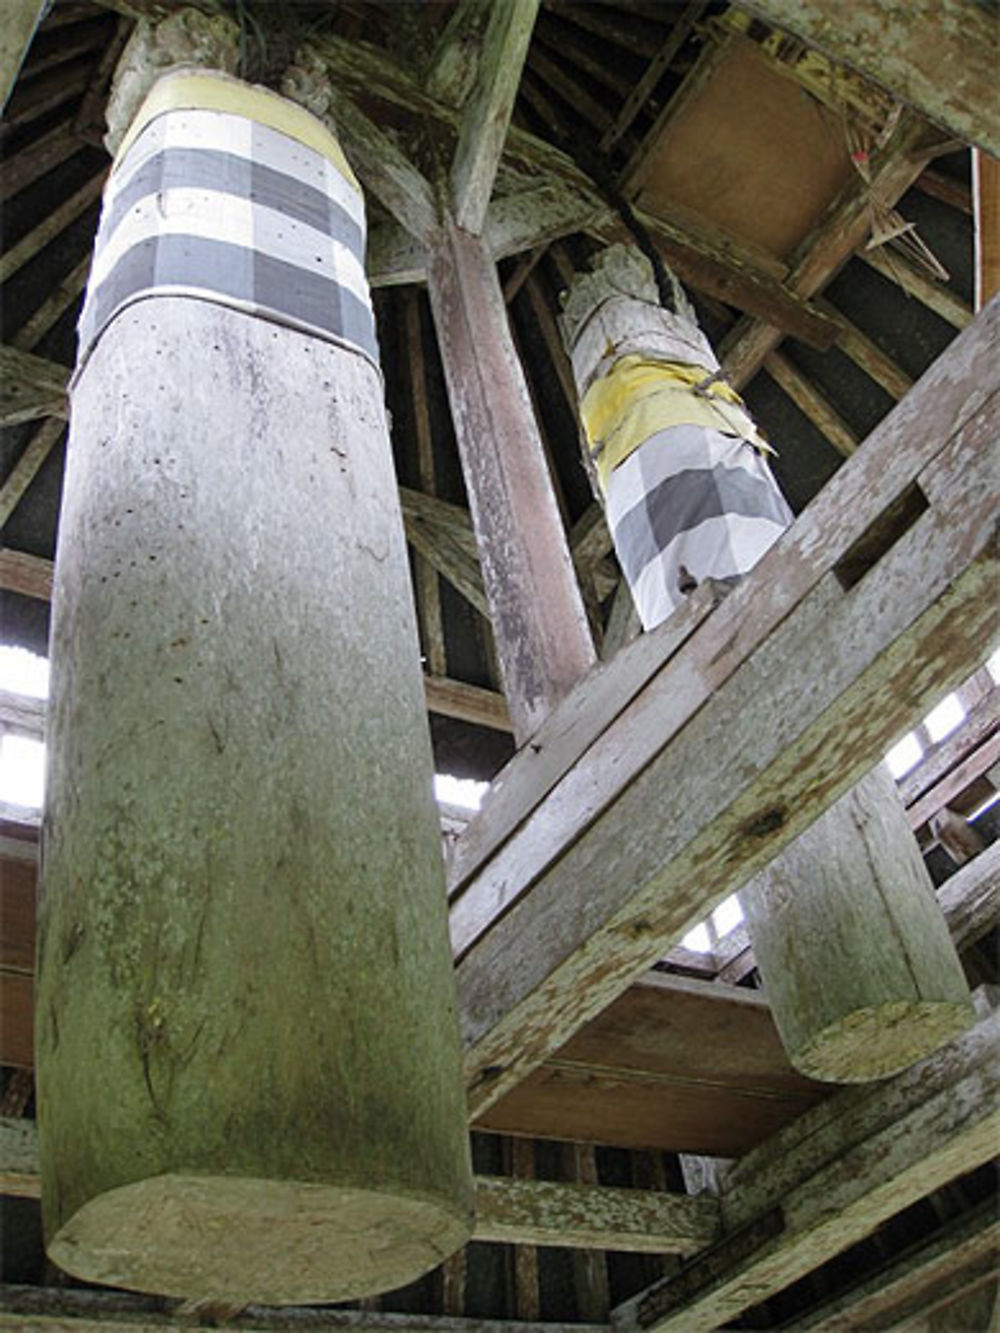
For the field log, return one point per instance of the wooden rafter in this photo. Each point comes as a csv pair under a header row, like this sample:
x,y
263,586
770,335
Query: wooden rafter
x,y
914,282
938,56
638,97
486,116
30,387
808,399
21,19
28,466
468,703
51,226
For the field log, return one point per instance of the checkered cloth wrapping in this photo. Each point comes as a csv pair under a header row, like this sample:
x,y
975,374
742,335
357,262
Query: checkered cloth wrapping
x,y
688,504
222,206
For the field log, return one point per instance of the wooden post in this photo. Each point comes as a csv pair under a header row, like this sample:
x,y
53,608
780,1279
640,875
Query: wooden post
x,y
986,212
853,950
249,1068
852,946
539,622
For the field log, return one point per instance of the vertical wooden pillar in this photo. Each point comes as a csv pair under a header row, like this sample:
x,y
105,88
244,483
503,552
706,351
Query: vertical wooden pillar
x,y
853,950
248,1056
543,641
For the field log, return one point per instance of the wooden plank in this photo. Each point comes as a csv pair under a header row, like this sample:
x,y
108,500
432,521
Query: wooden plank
x,y
938,56
17,914
831,1177
30,387
17,1044
936,185
28,465
469,703
592,1217
526,1292
19,1158
21,19
22,714
808,399
52,309
674,1065
537,615
50,227
487,113
28,575
980,724
867,355
934,295
607,900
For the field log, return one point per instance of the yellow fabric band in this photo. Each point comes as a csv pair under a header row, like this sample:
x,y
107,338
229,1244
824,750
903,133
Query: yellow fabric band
x,y
639,398
190,90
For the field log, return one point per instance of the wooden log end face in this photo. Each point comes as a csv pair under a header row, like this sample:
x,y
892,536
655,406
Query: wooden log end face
x,y
878,1041
254,1241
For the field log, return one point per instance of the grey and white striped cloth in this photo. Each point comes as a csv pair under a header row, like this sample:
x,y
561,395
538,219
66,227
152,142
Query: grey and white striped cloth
x,y
689,504
215,205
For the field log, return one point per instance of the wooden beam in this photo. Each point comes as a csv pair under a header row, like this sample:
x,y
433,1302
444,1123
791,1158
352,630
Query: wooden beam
x,y
28,575
66,1310
30,387
29,465
683,24
487,113
982,722
21,19
510,1210
986,211
22,714
830,1178
451,73
616,875
867,355
916,283
51,225
538,619
52,309
937,56
811,403
31,163
846,226
592,1217
979,761
468,703
385,170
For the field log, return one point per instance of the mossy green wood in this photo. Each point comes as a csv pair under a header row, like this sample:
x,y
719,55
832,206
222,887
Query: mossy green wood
x,y
854,953
248,1057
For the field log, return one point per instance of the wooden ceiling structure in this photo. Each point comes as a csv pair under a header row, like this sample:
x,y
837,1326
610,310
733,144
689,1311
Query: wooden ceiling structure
x,y
763,147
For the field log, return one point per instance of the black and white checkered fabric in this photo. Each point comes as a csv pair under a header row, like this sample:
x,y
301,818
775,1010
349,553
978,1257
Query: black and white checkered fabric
x,y
217,206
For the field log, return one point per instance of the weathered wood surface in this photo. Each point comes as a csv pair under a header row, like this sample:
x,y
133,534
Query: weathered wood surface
x,y
831,1177
469,703
913,280
30,387
27,467
57,1310
978,761
755,760
938,56
487,112
964,1250
17,1018
19,1157
51,225
853,950
543,642
21,18
986,210
812,403
970,899
29,575
673,1064
981,722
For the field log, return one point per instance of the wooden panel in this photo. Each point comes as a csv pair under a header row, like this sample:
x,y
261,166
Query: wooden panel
x,y
17,914
672,1064
16,1029
752,152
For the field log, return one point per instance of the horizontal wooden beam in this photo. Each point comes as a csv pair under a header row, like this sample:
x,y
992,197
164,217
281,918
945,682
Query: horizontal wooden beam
x,y
938,56
603,875
62,1310
28,575
468,703
977,762
830,1178
21,714
507,1209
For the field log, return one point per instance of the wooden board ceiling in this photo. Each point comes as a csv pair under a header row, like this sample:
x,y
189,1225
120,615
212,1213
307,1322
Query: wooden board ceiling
x,y
748,149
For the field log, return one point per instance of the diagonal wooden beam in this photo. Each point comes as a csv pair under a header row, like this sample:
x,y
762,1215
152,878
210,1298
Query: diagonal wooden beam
x,y
451,74
657,67
808,399
28,466
916,283
600,879
830,1178
487,113
27,575
938,56
51,225
30,387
